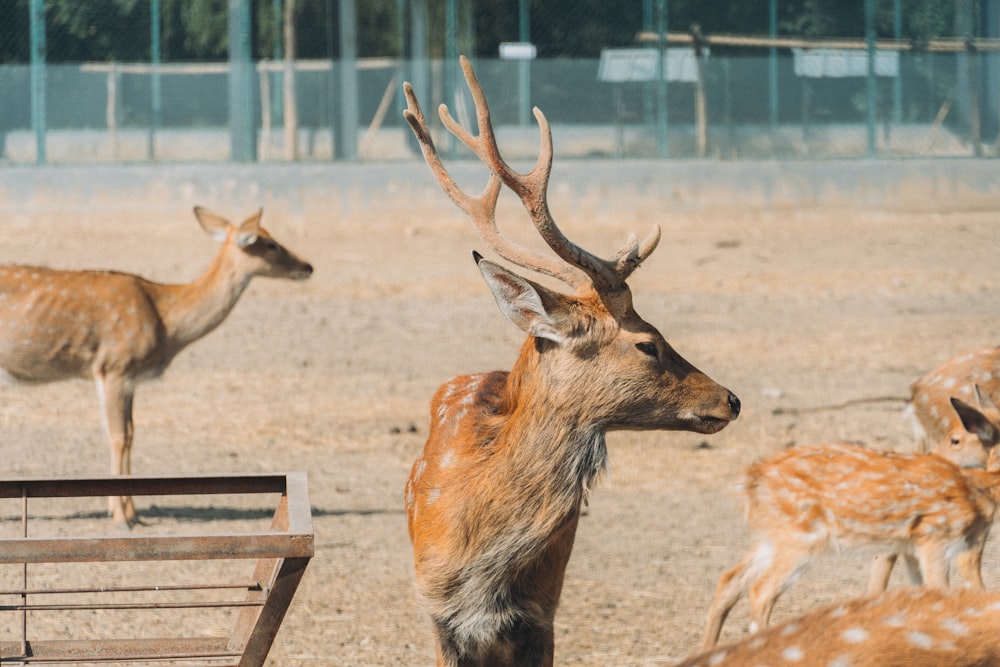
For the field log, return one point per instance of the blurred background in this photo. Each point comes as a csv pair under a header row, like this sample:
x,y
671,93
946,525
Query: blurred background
x,y
320,80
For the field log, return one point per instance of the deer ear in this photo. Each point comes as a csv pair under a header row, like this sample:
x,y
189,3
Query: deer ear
x,y
213,224
976,422
249,230
532,308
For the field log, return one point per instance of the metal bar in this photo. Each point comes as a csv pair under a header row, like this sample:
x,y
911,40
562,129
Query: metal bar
x,y
266,571
954,45
273,613
115,650
134,605
263,544
73,487
282,553
132,589
24,569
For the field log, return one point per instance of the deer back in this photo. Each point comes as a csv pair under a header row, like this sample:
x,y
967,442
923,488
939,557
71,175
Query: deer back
x,y
901,628
848,495
58,324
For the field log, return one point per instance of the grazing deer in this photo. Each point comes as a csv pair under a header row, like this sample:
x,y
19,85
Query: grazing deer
x,y
912,627
808,499
494,499
971,376
120,329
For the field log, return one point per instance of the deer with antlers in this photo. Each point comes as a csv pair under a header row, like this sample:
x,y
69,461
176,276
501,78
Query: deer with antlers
x,y
119,329
494,499
808,499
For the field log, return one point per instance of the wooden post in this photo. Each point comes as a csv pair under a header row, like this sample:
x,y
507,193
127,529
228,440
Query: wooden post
x,y
700,112
291,111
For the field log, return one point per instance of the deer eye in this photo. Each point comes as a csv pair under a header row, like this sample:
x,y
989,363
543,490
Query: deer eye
x,y
648,348
955,441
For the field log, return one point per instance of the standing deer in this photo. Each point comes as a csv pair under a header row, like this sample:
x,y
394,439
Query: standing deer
x,y
494,500
971,376
912,627
120,329
955,443
808,499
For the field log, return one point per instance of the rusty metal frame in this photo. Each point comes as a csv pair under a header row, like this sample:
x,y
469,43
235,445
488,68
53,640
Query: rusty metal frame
x,y
282,553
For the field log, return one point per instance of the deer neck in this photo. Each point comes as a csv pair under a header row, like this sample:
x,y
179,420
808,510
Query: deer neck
x,y
547,435
987,485
191,310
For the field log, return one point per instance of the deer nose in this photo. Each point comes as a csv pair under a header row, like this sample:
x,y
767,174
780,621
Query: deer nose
x,y
734,404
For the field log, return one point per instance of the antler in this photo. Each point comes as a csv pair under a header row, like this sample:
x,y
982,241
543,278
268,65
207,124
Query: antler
x,y
607,276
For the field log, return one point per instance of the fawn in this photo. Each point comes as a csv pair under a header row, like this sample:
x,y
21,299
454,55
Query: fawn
x,y
971,375
808,499
912,627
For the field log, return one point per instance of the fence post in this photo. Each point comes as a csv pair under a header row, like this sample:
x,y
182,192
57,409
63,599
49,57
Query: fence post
x,y
37,27
772,30
662,136
347,143
872,91
154,75
242,128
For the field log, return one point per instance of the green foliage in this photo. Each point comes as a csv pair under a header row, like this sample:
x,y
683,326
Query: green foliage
x,y
104,30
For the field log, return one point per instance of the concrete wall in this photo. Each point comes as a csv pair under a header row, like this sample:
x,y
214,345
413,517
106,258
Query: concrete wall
x,y
353,193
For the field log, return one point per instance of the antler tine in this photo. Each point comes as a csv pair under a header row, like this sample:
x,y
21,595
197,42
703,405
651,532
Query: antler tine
x,y
485,203
633,254
532,189
481,209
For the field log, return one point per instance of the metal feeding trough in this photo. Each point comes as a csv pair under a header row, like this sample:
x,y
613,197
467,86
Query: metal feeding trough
x,y
98,615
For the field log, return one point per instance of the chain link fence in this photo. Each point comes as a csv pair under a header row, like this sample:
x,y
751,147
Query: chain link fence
x,y
300,80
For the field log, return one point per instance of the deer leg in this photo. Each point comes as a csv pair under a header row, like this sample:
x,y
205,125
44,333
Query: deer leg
x,y
969,564
771,584
882,566
533,644
933,565
970,561
913,570
115,394
731,587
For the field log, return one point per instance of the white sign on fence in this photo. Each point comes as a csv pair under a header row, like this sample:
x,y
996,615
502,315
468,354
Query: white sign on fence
x,y
621,65
517,51
838,63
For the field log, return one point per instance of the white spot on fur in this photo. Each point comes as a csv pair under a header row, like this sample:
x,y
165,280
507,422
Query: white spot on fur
x,y
792,654
919,639
838,612
955,626
447,459
896,620
716,658
855,635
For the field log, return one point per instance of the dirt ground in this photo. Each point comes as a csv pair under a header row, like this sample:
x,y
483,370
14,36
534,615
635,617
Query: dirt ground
x,y
333,376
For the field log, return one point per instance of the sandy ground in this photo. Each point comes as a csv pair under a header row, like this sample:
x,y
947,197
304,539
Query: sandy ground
x,y
333,376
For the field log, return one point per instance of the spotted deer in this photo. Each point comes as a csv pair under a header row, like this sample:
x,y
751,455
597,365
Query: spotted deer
x,y
973,377
120,329
964,448
911,627
809,499
494,499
